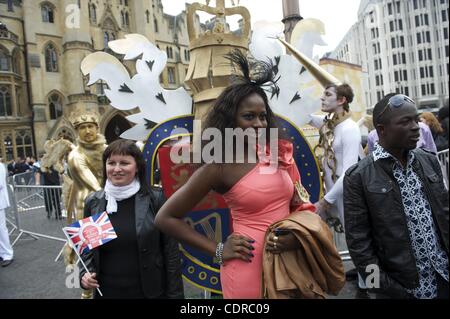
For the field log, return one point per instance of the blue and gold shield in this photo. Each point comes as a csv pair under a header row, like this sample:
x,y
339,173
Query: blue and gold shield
x,y
211,217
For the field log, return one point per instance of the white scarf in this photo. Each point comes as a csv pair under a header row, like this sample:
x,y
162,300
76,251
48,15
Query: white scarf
x,y
114,194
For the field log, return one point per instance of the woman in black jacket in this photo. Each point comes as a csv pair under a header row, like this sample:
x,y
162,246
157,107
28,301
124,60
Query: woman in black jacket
x,y
141,262
439,136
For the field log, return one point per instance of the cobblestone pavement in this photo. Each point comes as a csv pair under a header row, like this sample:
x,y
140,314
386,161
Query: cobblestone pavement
x,y
34,274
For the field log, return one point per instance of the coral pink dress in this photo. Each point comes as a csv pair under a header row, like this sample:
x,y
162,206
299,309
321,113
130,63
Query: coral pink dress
x,y
256,201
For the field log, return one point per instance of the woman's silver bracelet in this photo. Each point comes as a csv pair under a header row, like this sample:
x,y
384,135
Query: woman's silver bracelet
x,y
219,253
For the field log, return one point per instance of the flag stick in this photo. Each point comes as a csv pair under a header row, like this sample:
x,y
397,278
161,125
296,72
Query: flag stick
x,y
80,259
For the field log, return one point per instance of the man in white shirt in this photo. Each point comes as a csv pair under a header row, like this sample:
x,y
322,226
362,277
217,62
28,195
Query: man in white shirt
x,y
6,251
339,148
340,143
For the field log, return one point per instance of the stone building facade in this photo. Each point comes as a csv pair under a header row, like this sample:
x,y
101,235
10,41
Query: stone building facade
x,y
42,44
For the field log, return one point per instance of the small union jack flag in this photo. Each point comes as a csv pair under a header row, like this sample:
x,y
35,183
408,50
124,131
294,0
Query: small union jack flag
x,y
90,232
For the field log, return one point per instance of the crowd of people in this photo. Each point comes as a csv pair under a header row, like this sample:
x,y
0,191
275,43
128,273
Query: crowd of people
x,y
391,202
22,165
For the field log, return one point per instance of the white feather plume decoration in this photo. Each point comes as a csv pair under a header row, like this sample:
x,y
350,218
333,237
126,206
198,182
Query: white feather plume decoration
x,y
143,90
299,94
297,98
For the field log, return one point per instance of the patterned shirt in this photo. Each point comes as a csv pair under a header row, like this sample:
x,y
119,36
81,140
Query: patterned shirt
x,y
429,255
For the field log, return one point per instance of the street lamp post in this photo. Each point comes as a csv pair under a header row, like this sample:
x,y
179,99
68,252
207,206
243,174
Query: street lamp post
x,y
291,15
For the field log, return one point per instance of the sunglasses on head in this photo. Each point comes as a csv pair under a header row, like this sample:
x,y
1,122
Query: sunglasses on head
x,y
396,101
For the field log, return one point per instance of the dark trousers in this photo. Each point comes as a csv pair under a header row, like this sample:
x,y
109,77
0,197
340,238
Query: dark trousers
x,y
442,287
52,199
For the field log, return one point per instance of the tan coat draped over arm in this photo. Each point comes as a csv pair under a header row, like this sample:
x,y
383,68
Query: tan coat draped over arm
x,y
310,272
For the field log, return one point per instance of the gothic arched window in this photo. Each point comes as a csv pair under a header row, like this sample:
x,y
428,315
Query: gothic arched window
x,y
122,18
155,24
127,19
169,52
16,62
9,145
51,58
109,32
47,13
55,106
4,61
5,101
24,144
92,13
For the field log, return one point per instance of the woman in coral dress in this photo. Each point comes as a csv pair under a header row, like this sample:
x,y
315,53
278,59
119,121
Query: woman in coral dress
x,y
258,194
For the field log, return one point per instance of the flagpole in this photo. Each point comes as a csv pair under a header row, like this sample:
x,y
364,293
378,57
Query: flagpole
x,y
80,259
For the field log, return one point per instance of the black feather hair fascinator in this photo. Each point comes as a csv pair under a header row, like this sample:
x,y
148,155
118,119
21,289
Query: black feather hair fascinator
x,y
253,72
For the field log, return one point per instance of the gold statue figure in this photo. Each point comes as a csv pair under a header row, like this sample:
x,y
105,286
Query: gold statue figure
x,y
85,164
85,171
85,168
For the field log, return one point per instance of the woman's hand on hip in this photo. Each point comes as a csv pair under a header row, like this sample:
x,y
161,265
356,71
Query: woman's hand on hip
x,y
89,282
238,247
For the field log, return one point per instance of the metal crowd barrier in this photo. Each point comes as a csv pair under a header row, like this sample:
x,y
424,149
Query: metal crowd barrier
x,y
34,206
341,245
10,211
39,212
27,178
443,160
